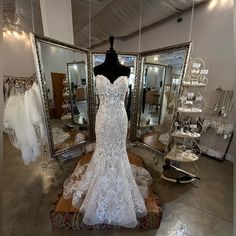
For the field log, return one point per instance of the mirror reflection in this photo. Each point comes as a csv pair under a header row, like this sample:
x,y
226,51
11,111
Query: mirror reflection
x,y
78,91
65,79
161,76
129,61
153,81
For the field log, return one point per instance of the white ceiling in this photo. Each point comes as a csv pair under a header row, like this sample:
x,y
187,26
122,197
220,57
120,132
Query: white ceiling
x,y
120,18
108,17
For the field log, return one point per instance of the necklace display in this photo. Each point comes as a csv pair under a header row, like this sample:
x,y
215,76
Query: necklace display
x,y
223,104
218,124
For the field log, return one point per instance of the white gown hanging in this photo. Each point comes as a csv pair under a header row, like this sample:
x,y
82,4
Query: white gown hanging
x,y
22,116
109,184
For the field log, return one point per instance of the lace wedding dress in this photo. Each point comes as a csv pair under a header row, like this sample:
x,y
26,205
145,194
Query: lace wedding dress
x,y
109,190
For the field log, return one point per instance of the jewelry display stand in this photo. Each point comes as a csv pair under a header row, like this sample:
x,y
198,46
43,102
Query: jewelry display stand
x,y
186,128
66,103
218,124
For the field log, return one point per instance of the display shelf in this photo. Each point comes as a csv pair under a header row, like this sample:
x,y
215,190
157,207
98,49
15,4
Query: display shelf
x,y
189,84
147,126
185,112
189,135
66,94
181,156
189,110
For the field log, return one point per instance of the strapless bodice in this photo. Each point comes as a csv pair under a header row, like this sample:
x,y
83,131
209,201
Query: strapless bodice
x,y
111,93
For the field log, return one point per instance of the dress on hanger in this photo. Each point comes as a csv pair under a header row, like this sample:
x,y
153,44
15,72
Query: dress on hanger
x,y
23,121
109,190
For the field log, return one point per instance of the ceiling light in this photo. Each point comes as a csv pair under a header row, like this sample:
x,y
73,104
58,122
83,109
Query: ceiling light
x,y
212,4
122,60
155,58
22,34
219,4
14,33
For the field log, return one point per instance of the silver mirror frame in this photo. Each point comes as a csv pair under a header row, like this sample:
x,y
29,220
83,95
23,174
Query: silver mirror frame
x,y
42,85
138,89
133,100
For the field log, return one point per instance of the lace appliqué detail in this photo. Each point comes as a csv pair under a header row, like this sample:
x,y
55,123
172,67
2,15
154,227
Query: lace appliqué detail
x,y
110,190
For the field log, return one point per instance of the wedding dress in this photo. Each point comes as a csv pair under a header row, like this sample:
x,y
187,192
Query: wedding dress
x,y
23,122
109,190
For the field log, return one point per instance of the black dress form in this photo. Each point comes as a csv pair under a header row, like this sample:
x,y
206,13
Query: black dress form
x,y
128,107
111,68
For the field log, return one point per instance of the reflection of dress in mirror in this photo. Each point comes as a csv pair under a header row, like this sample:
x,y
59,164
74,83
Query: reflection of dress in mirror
x,y
109,183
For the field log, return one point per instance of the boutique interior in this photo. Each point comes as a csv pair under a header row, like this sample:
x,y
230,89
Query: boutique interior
x,y
177,112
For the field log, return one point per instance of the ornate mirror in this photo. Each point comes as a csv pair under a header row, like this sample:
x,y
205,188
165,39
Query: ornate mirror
x,y
129,60
63,78
161,74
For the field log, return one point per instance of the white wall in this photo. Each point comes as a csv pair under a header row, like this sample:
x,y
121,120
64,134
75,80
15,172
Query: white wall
x,y
212,35
57,20
154,77
55,59
18,56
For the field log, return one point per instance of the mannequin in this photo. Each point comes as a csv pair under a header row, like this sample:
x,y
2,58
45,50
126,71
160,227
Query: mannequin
x,y
111,194
111,68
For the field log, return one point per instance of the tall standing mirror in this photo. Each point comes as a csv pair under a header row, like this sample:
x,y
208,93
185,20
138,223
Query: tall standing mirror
x,y
68,89
129,60
162,71
63,78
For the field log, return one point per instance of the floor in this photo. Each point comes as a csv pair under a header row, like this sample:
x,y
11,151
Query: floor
x,y
151,138
72,140
150,113
205,209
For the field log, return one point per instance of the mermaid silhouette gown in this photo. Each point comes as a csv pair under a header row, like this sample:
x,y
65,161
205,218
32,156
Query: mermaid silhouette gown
x,y
109,189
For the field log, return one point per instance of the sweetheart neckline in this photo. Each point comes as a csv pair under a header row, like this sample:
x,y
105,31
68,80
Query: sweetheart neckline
x,y
114,80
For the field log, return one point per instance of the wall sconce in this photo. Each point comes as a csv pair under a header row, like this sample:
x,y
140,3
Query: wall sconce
x,y
214,4
15,33
156,59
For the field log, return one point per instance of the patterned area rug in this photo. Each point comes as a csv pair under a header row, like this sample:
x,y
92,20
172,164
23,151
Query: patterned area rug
x,y
64,216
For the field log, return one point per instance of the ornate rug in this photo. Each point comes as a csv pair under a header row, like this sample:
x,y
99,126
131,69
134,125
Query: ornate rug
x,y
65,217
